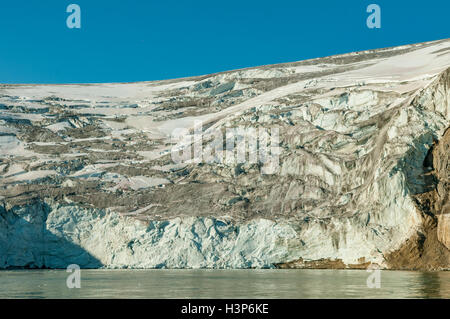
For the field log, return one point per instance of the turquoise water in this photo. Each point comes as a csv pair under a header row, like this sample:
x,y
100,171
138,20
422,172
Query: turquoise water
x,y
223,284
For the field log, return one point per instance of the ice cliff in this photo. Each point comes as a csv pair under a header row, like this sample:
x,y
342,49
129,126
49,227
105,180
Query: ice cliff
x,y
87,175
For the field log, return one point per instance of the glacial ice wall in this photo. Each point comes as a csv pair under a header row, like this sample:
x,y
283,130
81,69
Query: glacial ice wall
x,y
53,236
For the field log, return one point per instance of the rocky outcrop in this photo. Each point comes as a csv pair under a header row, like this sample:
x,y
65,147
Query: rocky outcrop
x,y
441,163
428,249
88,177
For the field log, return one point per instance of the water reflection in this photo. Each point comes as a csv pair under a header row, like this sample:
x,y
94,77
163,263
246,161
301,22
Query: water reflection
x,y
431,285
223,284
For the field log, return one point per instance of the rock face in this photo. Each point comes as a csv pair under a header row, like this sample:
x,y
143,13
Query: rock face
x,y
54,236
361,176
441,161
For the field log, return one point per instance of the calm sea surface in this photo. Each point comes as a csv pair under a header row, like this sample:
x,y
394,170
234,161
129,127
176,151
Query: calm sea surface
x,y
223,284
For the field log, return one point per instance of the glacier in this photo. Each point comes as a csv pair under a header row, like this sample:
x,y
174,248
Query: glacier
x,y
87,176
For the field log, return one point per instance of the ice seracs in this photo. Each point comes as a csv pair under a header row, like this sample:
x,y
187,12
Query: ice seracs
x,y
87,175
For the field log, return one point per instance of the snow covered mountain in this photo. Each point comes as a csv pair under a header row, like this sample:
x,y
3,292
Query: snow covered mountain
x,y
88,176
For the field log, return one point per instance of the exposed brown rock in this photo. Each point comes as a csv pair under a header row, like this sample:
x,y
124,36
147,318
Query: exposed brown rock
x,y
428,249
323,264
441,163
314,264
443,230
423,251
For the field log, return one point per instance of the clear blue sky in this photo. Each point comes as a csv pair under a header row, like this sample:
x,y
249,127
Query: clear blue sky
x,y
141,40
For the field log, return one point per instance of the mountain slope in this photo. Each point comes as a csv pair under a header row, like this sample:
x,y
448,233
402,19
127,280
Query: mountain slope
x,y
88,174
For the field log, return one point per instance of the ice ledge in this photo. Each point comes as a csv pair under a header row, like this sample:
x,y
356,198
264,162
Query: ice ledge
x,y
51,235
